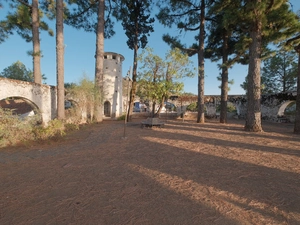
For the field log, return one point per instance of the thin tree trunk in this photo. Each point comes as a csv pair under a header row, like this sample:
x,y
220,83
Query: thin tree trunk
x,y
36,54
161,105
153,109
297,117
99,64
133,88
201,107
253,117
60,59
224,84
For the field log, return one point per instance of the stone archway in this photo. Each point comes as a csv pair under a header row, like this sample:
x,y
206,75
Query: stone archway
x,y
283,107
42,96
21,107
107,109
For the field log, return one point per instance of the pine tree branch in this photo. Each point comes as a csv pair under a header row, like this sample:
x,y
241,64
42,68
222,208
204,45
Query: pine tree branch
x,y
188,3
25,3
270,6
293,39
84,10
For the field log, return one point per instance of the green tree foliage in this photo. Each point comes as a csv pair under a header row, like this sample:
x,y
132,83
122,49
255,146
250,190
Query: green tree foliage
x,y
90,16
189,16
297,117
261,22
20,20
5,31
279,73
84,93
138,24
84,15
221,44
17,71
294,43
160,78
26,21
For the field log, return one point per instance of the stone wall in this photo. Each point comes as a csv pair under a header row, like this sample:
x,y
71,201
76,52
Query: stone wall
x,y
43,97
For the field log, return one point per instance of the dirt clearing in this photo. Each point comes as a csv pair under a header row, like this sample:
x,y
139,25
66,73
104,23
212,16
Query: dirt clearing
x,y
183,173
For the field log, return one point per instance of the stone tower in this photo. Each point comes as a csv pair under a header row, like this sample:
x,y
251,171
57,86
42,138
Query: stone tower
x,y
112,86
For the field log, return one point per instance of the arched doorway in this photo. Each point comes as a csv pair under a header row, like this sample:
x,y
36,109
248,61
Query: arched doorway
x,y
21,107
283,107
107,109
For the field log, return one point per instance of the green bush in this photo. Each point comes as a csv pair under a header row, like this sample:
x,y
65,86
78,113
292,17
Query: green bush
x,y
71,127
192,107
55,128
13,130
230,107
122,117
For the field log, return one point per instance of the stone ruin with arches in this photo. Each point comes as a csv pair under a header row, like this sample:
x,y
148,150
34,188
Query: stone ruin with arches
x,y
43,98
273,106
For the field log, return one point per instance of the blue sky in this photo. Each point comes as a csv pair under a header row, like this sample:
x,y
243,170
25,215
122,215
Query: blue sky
x,y
80,51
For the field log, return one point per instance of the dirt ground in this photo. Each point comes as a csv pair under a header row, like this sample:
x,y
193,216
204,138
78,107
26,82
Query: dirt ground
x,y
184,173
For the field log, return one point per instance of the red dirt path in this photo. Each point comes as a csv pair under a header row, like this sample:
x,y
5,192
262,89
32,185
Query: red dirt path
x,y
184,173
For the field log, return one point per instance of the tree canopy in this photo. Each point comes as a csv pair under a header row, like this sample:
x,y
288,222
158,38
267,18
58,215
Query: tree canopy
x,y
18,71
135,16
279,73
160,78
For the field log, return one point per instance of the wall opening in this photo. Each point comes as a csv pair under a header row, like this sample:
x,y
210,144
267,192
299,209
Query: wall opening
x,y
21,107
107,109
286,107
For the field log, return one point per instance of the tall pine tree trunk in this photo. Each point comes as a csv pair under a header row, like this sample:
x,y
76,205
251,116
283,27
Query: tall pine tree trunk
x,y
36,54
201,106
99,64
224,76
253,117
134,75
60,59
297,118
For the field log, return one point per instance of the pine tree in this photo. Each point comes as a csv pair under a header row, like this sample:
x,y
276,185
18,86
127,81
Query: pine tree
x,y
294,42
264,22
90,16
99,110
279,73
297,117
60,59
188,16
138,24
221,40
26,22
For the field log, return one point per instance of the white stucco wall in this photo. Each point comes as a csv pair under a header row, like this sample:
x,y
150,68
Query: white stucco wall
x,y
42,96
113,82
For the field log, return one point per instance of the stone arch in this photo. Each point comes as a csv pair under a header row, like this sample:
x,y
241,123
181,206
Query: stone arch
x,y
22,107
283,107
43,97
73,111
107,109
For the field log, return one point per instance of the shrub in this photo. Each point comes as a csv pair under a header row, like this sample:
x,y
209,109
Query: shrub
x,y
192,107
13,130
71,127
55,128
122,117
